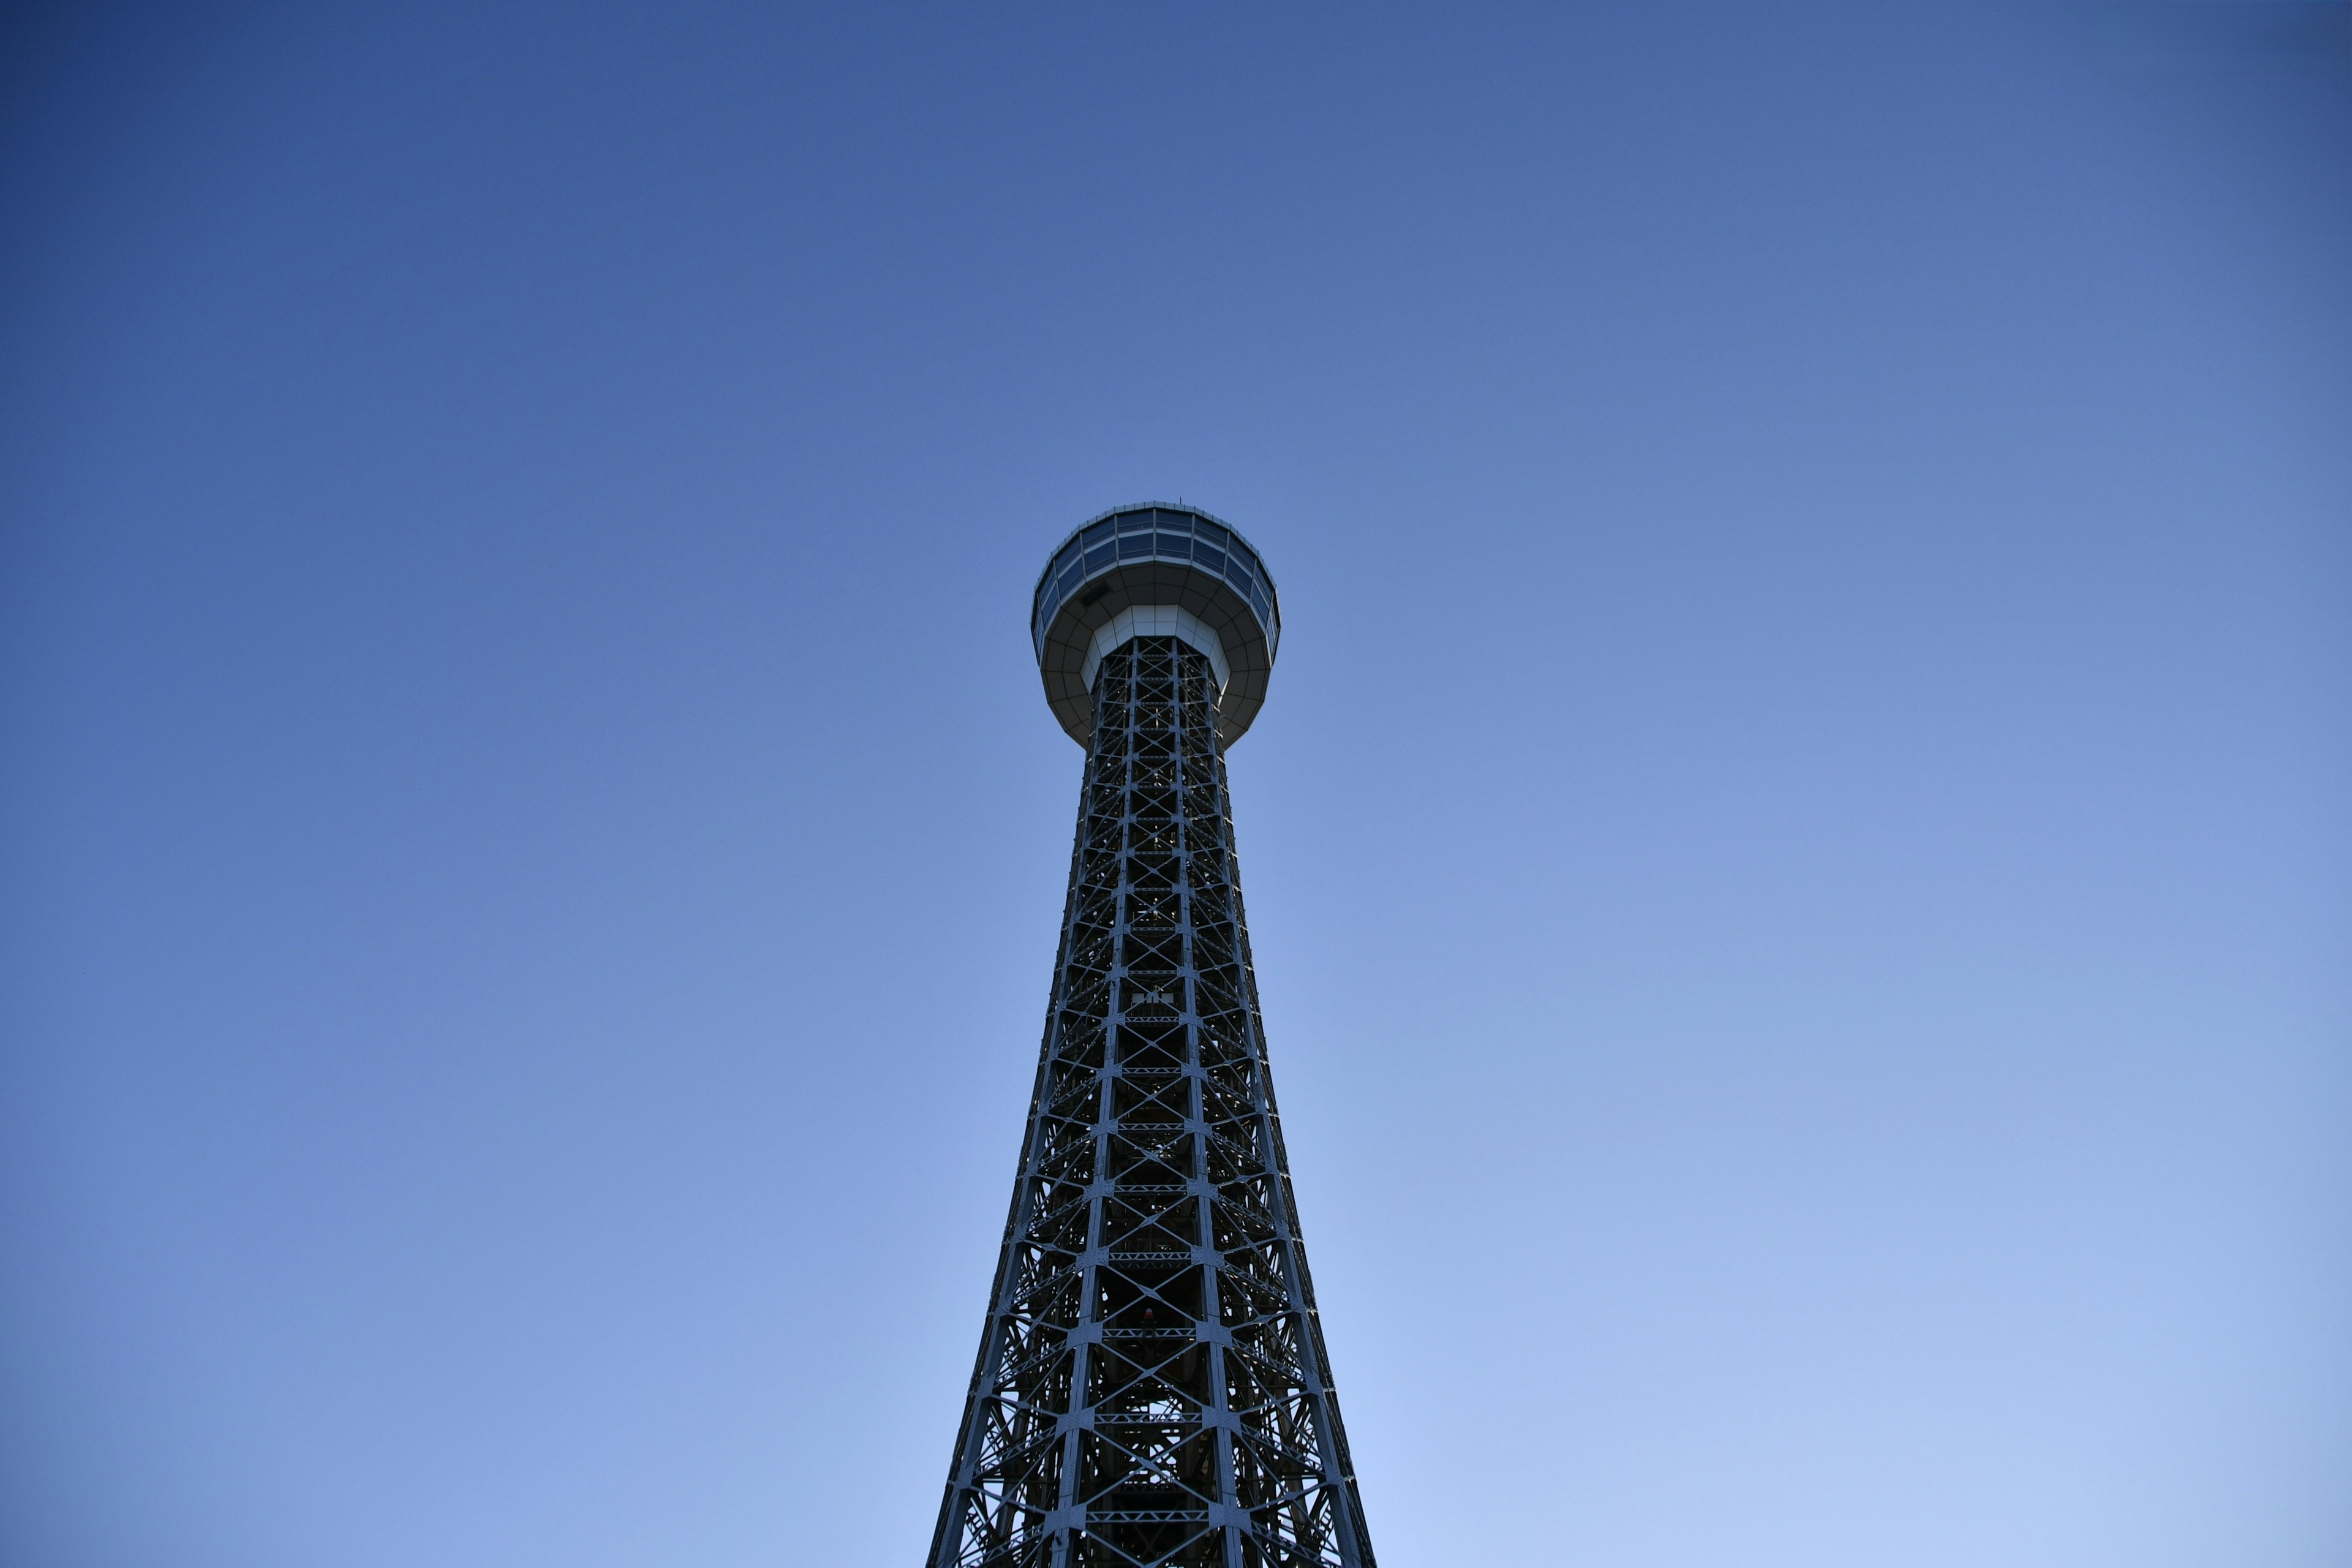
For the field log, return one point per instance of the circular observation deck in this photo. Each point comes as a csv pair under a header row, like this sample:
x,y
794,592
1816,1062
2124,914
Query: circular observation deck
x,y
1155,570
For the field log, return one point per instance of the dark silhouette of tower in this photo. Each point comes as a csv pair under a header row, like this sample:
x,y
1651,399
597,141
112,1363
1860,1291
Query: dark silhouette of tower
x,y
1152,1387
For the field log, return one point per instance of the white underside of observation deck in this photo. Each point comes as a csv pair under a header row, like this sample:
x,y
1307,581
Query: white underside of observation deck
x,y
1157,621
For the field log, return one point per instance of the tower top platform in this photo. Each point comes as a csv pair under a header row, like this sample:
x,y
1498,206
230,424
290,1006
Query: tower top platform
x,y
1155,569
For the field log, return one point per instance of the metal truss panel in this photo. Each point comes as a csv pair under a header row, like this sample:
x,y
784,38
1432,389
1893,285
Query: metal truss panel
x,y
1153,1390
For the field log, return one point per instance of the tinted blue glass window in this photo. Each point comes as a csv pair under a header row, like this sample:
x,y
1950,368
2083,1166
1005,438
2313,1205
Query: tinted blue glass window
x,y
1208,555
1097,534
1134,544
1053,603
1066,560
1209,532
1175,522
1258,597
1134,521
1069,580
1100,558
1237,575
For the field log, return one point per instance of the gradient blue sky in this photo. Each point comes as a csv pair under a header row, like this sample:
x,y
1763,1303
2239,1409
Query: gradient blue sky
x,y
1797,849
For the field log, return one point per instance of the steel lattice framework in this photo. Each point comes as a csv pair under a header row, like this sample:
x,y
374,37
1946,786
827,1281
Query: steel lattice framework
x,y
1152,1387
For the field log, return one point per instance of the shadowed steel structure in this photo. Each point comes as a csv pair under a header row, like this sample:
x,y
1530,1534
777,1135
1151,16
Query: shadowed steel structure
x,y
1152,1387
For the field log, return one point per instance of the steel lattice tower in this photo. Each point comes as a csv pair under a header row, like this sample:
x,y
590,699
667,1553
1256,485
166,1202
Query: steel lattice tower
x,y
1152,1387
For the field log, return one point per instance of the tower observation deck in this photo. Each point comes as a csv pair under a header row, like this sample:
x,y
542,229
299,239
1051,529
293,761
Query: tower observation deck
x,y
1152,1387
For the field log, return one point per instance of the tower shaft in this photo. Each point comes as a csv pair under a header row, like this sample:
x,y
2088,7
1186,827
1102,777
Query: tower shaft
x,y
1152,1387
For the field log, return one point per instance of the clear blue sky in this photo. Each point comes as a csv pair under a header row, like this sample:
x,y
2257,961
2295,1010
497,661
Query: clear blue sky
x,y
1799,847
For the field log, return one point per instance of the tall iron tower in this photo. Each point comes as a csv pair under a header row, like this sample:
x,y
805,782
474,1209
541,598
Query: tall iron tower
x,y
1152,1387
